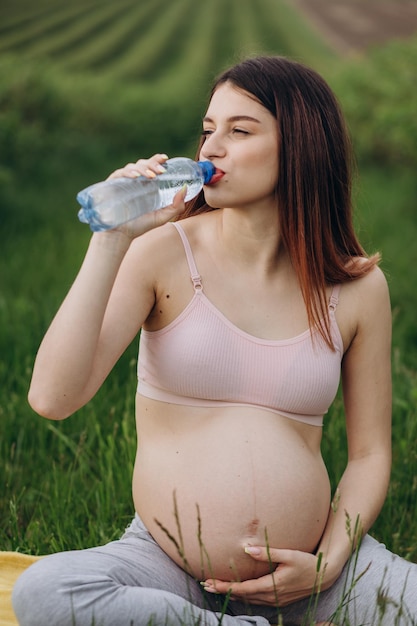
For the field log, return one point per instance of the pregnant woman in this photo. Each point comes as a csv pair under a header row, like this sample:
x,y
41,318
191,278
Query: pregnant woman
x,y
252,301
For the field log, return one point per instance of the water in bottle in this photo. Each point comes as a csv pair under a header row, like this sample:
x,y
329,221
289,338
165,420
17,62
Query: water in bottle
x,y
113,202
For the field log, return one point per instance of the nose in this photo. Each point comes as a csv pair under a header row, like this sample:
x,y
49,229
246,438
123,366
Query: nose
x,y
213,146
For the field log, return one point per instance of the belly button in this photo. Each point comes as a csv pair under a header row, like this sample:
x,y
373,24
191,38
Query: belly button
x,y
252,528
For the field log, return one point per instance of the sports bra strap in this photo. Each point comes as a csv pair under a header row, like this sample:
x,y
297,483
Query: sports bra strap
x,y
195,276
334,298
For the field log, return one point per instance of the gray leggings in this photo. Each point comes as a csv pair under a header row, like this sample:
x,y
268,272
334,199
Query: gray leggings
x,y
132,582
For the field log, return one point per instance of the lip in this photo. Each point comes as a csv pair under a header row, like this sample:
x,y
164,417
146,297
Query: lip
x,y
218,174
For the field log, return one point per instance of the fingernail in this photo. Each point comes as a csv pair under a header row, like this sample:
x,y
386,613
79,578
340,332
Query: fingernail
x,y
252,551
161,169
150,174
207,587
136,173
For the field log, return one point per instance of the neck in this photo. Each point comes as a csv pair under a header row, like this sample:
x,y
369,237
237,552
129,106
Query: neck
x,y
253,239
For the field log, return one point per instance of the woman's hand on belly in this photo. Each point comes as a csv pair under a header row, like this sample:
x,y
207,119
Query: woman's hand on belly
x,y
297,576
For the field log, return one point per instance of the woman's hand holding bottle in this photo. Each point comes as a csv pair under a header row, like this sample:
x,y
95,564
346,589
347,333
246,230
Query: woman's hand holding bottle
x,y
149,168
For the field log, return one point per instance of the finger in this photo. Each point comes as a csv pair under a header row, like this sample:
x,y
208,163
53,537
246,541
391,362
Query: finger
x,y
269,555
217,586
177,206
179,198
155,159
142,167
246,588
153,166
237,591
128,171
167,214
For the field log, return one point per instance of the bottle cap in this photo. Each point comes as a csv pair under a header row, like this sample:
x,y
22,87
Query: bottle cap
x,y
208,170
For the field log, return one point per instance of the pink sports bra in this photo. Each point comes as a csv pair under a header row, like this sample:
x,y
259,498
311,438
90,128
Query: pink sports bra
x,y
202,359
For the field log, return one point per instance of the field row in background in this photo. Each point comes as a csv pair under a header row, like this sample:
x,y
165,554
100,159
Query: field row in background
x,y
153,39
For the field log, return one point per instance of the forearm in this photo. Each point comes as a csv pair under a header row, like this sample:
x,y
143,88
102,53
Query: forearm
x,y
68,351
356,505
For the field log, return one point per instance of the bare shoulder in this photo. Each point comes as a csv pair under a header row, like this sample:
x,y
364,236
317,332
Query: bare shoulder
x,y
156,240
158,259
164,240
155,251
370,290
365,308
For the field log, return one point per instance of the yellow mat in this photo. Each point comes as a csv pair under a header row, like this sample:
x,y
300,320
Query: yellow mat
x,y
12,564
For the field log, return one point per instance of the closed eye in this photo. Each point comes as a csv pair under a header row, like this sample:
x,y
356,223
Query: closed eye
x,y
206,132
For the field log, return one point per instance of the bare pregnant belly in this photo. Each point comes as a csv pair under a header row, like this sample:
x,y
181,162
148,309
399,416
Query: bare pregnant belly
x,y
208,482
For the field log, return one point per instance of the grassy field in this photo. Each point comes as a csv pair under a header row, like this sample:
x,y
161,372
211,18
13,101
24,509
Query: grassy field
x,y
153,42
84,87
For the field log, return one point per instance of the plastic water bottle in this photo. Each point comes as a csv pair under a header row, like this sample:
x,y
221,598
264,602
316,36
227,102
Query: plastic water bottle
x,y
108,204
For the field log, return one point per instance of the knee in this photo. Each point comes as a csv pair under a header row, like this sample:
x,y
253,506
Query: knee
x,y
33,596
25,592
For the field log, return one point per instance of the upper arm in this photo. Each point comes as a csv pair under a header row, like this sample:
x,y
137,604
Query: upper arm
x,y
130,303
131,299
366,369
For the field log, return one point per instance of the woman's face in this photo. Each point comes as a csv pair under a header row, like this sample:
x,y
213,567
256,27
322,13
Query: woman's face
x,y
241,139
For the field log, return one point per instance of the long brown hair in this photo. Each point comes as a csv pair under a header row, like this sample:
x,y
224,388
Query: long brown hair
x,y
314,177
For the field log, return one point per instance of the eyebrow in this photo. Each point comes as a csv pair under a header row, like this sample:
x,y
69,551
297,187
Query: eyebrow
x,y
235,118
